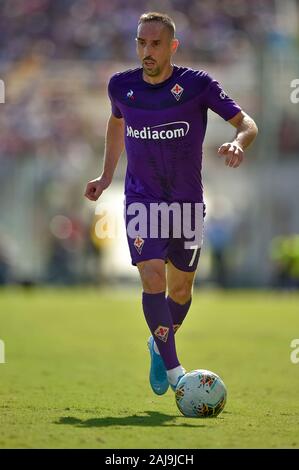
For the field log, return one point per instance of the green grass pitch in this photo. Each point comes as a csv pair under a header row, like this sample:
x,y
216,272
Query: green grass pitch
x,y
76,371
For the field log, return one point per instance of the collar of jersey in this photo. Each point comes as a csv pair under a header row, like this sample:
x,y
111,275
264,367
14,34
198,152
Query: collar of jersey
x,y
165,82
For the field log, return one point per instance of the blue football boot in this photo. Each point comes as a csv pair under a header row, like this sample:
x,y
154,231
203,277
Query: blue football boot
x,y
158,376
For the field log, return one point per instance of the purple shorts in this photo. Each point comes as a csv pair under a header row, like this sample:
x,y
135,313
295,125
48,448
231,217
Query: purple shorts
x,y
171,231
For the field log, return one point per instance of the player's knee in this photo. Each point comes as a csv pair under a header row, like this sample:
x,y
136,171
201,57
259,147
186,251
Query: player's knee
x,y
153,279
153,282
181,294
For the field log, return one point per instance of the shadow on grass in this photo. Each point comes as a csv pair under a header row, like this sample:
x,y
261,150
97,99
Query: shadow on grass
x,y
152,418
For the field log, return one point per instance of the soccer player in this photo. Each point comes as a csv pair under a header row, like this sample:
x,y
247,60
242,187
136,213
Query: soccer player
x,y
159,112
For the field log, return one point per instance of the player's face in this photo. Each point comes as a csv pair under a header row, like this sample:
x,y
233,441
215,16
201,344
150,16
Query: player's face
x,y
155,46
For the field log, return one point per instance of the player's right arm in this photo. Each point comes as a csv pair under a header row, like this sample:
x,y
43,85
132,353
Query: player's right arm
x,y
114,146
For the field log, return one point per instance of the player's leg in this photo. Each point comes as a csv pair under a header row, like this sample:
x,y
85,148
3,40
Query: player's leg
x,y
179,286
183,258
158,316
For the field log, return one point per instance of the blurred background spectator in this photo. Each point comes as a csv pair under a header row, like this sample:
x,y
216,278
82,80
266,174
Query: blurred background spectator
x,y
55,61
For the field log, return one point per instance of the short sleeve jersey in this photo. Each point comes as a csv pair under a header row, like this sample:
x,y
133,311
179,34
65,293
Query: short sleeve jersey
x,y
165,125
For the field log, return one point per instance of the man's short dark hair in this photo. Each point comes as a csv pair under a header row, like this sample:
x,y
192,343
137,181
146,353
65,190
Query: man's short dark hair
x,y
159,17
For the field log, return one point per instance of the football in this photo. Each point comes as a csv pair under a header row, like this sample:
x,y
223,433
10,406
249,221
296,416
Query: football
x,y
200,394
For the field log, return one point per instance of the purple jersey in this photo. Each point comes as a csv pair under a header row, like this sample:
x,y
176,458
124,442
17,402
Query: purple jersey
x,y
165,125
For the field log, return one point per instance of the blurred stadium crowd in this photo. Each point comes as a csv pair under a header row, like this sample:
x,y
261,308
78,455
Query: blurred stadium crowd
x,y
55,60
213,30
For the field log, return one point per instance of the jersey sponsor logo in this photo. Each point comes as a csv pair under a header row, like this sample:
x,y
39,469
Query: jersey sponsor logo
x,y
177,91
170,130
138,243
162,333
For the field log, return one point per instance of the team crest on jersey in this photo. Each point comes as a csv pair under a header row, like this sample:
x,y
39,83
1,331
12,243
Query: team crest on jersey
x,y
162,333
138,243
177,91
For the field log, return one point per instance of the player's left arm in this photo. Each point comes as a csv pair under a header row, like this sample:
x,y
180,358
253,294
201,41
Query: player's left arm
x,y
246,133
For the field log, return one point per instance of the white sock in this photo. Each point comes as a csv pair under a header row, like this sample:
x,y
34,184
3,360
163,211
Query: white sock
x,y
174,374
156,348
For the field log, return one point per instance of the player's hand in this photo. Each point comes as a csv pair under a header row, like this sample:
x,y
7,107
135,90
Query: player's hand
x,y
233,152
95,188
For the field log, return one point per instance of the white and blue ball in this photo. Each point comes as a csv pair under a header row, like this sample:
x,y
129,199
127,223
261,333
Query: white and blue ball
x,y
200,394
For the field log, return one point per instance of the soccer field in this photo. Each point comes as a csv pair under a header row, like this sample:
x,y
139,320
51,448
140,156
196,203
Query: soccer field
x,y
76,371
